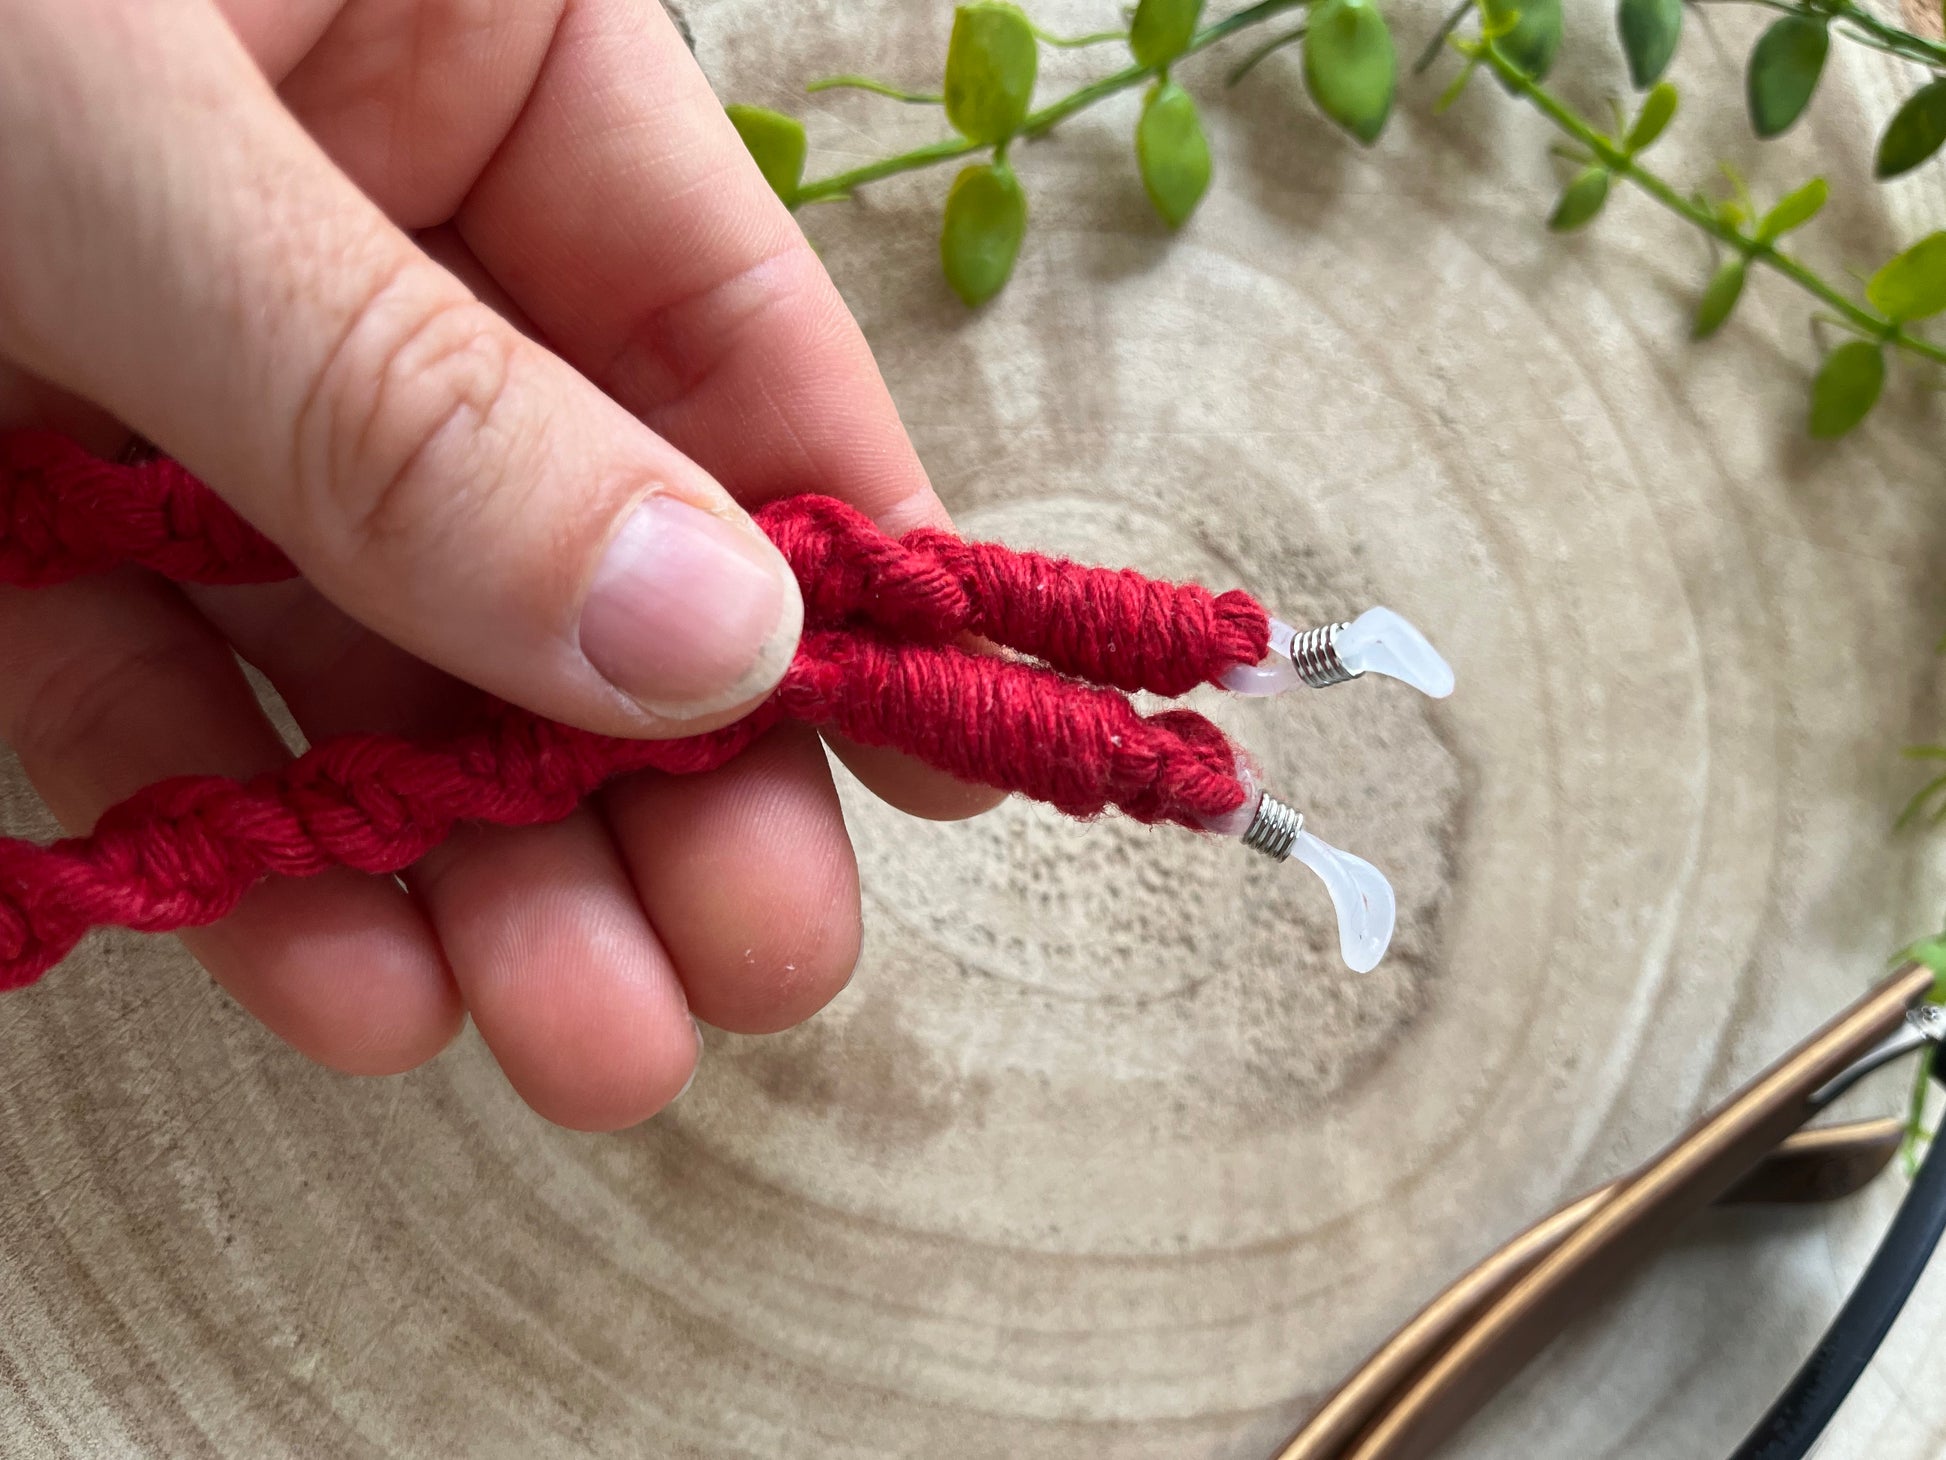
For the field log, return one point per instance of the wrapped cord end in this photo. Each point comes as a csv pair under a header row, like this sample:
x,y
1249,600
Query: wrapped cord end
x,y
1378,641
1362,898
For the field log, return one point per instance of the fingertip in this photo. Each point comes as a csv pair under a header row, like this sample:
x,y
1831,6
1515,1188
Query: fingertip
x,y
564,977
918,507
794,960
749,877
912,787
631,1076
342,967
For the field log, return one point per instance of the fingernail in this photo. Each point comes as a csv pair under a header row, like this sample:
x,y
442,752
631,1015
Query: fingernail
x,y
689,614
696,1068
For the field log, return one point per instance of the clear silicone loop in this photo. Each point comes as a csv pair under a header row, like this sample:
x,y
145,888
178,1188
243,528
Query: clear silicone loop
x,y
1367,910
1274,674
1380,641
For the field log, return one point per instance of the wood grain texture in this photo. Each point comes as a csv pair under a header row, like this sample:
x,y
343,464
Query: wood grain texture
x,y
1103,1154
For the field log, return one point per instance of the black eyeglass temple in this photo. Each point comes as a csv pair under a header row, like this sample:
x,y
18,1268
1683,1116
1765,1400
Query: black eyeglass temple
x,y
1803,1410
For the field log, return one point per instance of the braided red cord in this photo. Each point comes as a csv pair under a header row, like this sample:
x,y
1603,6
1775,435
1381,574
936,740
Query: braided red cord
x,y
64,513
879,666
1105,625
183,852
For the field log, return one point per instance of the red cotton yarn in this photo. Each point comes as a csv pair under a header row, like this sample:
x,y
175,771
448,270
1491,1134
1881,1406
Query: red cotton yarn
x,y
881,663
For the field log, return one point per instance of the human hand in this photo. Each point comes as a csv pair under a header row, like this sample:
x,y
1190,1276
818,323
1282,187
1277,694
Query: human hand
x,y
480,310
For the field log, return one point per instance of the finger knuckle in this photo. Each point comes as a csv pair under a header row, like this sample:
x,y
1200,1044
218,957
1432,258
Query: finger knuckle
x,y
68,713
676,350
400,435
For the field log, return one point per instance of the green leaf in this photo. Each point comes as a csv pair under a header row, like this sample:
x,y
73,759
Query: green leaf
x,y
1535,34
1932,953
1650,30
1580,201
986,218
1793,210
1172,152
1658,108
1784,71
1161,30
1913,285
777,142
1915,131
1846,388
991,63
1719,298
1350,68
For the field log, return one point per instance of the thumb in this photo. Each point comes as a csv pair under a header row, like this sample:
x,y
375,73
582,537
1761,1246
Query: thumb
x,y
175,248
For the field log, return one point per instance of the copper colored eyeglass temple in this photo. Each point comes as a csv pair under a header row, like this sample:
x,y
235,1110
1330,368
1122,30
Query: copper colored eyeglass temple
x,y
1432,1375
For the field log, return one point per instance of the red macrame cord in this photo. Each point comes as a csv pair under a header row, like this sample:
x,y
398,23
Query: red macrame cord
x,y
880,663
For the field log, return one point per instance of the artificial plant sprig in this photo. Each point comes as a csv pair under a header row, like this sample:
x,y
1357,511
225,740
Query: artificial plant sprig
x,y
1788,61
1350,71
992,63
1910,287
1784,69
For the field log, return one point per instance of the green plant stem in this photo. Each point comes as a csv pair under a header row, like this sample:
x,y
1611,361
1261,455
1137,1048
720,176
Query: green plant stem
x,y
1436,47
879,88
1076,42
1865,28
1619,162
1928,952
1916,1134
1264,52
1889,38
1038,123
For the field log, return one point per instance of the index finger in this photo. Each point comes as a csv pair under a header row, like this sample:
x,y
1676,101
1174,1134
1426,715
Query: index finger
x,y
624,216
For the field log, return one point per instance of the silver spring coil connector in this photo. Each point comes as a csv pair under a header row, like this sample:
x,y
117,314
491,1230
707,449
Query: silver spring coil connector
x,y
1273,830
1314,652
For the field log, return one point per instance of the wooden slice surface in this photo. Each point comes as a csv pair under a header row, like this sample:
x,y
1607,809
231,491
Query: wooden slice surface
x,y
1104,1153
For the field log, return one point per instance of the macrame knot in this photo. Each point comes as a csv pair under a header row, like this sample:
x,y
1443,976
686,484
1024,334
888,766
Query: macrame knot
x,y
1109,626
64,513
